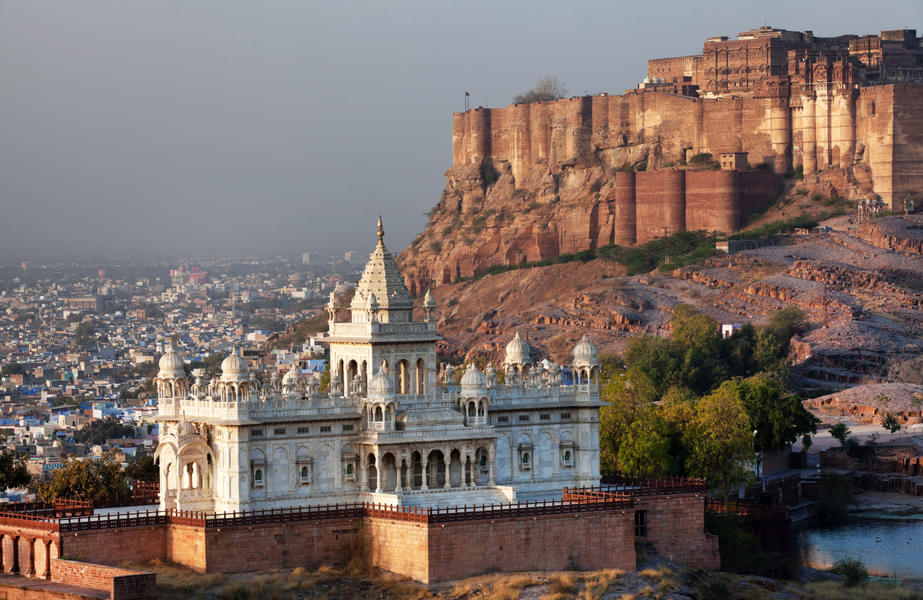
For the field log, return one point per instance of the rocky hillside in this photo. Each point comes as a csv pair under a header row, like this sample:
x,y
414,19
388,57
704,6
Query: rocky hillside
x,y
868,297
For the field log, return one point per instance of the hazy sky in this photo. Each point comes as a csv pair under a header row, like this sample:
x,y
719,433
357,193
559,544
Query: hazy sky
x,y
189,127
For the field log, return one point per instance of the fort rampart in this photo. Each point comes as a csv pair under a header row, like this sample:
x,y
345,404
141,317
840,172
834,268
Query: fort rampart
x,y
836,126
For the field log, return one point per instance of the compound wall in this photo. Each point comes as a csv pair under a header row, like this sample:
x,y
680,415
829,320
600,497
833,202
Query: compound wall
x,y
586,541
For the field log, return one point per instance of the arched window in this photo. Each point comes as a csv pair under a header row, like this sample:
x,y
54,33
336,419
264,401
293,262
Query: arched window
x,y
525,459
483,460
258,478
304,471
349,469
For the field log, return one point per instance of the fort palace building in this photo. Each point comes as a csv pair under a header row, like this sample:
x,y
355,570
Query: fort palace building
x,y
392,428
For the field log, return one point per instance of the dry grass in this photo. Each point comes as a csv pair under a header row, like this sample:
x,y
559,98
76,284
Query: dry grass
x,y
510,588
598,583
564,583
650,573
647,592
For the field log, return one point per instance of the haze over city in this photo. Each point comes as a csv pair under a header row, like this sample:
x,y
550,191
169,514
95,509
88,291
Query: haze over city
x,y
174,128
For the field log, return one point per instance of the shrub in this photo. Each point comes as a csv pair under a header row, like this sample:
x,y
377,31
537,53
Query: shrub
x,y
489,174
852,570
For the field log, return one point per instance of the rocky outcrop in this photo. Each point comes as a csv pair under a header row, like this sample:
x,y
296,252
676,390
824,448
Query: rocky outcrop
x,y
901,234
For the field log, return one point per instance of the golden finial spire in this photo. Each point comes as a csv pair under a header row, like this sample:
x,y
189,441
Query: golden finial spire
x,y
381,232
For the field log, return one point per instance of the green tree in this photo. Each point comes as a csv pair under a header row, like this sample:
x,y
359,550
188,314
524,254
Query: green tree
x,y
840,432
13,472
644,449
891,423
615,419
720,441
143,468
83,336
777,417
93,479
98,432
12,368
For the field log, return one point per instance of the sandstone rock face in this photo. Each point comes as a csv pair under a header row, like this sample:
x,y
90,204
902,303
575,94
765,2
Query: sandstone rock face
x,y
869,404
900,234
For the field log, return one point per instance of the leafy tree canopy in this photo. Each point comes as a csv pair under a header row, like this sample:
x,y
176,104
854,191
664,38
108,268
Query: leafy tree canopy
x,y
98,432
143,468
94,479
13,472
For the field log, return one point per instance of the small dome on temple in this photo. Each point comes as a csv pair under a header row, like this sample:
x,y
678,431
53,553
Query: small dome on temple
x,y
473,378
234,368
381,385
293,376
171,365
517,352
585,353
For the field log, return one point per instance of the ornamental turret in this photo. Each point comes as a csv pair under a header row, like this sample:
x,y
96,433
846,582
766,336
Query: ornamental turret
x,y
171,379
586,362
516,363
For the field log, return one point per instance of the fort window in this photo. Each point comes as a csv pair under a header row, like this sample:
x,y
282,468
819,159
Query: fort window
x,y
256,432
565,416
347,427
545,417
258,478
872,109
640,523
325,428
503,419
524,418
350,471
525,461
567,458
278,431
304,430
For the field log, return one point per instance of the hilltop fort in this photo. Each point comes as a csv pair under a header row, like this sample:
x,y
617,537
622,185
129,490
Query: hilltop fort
x,y
701,143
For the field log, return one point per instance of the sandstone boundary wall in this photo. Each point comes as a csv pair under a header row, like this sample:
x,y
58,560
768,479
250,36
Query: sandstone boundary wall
x,y
588,529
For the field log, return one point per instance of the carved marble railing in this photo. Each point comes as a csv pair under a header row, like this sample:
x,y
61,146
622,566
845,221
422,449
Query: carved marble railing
x,y
365,329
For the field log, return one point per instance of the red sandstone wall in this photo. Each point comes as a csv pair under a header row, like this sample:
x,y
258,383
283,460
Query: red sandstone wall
x,y
713,201
268,546
186,545
907,173
116,546
660,203
551,542
676,526
121,584
400,546
625,212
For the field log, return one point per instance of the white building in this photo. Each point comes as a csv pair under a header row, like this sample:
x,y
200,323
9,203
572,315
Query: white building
x,y
392,428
